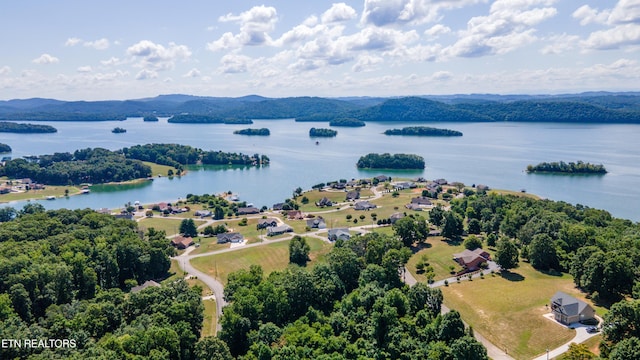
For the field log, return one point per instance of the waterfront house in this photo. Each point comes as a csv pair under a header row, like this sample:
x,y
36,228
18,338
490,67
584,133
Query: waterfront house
x,y
566,309
277,206
295,215
248,210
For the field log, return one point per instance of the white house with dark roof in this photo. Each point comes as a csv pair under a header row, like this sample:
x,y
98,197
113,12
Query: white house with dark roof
x,y
339,233
566,309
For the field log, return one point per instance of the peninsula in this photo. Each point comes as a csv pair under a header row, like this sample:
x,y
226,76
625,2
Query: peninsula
x,y
11,127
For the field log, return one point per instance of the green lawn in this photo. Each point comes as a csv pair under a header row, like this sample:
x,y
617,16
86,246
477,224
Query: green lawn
x,y
271,257
49,190
439,254
508,311
210,320
157,169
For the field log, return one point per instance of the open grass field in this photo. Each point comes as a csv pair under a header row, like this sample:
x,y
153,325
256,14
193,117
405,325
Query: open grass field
x,y
516,193
157,169
508,310
271,257
439,254
49,190
210,320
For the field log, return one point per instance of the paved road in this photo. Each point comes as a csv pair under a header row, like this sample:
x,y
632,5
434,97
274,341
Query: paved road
x,y
581,336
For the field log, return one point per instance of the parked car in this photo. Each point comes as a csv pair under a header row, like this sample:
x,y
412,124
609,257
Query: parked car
x,y
592,329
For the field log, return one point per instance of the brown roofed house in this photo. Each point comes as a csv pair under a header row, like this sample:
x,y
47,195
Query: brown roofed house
x,y
182,242
471,259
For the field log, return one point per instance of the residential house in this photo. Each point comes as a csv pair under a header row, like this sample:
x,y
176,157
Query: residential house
x,y
339,185
353,183
440,181
181,242
339,233
405,185
5,190
295,215
422,202
364,205
148,283
353,195
265,223
324,202
566,309
481,187
316,223
471,259
414,207
382,178
278,230
202,213
248,210
395,217
277,206
230,237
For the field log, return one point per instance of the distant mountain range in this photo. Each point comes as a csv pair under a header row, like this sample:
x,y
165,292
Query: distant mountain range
x,y
601,107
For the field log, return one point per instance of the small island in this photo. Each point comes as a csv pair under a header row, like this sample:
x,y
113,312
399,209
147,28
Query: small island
x,y
313,132
347,122
388,161
150,118
11,127
253,132
562,167
422,131
234,121
4,148
118,130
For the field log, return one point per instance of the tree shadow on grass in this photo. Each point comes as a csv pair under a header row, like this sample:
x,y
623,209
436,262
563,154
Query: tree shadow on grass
x,y
551,272
511,276
420,246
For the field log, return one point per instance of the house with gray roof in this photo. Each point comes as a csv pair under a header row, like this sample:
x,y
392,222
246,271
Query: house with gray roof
x,y
566,309
364,205
268,222
148,283
232,237
248,210
353,195
316,223
339,233
324,202
395,217
278,230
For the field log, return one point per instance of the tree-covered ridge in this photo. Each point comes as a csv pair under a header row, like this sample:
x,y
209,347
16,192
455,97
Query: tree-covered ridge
x,y
390,161
7,126
319,132
253,132
347,122
178,155
417,109
354,306
64,276
65,116
95,166
207,119
4,148
422,131
578,167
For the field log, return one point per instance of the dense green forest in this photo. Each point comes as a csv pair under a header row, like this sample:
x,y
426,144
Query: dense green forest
x,y
4,148
150,118
178,155
422,131
65,116
354,306
313,132
253,132
95,166
390,161
65,274
7,126
218,206
417,109
347,122
562,167
195,119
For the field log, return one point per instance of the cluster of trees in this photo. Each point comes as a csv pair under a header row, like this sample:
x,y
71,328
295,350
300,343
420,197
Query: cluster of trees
x,y
319,132
83,166
179,155
150,118
4,148
64,275
207,119
390,161
219,206
259,132
352,306
118,130
7,126
422,131
579,167
347,122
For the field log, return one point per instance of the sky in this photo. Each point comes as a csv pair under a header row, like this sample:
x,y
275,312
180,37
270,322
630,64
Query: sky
x,y
122,49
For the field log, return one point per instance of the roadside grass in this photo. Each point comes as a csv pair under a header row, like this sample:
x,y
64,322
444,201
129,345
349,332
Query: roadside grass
x,y
316,195
270,257
515,193
175,272
157,169
439,255
49,190
210,319
508,310
171,225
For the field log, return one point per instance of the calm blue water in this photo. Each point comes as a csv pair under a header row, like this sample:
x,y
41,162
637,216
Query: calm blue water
x,y
494,154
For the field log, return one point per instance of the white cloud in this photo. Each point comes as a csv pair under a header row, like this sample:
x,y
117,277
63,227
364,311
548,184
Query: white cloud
x,y
366,62
156,56
508,26
145,74
84,69
625,11
588,15
111,61
561,43
614,38
72,41
255,24
339,12
45,59
441,75
193,73
234,63
5,70
100,44
437,30
389,12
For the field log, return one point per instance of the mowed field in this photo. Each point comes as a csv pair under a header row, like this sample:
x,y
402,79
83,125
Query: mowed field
x,y
509,310
270,257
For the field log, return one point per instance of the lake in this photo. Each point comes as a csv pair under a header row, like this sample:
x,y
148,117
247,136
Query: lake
x,y
494,154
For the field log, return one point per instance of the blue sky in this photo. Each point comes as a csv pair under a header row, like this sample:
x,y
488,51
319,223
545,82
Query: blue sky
x,y
96,50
